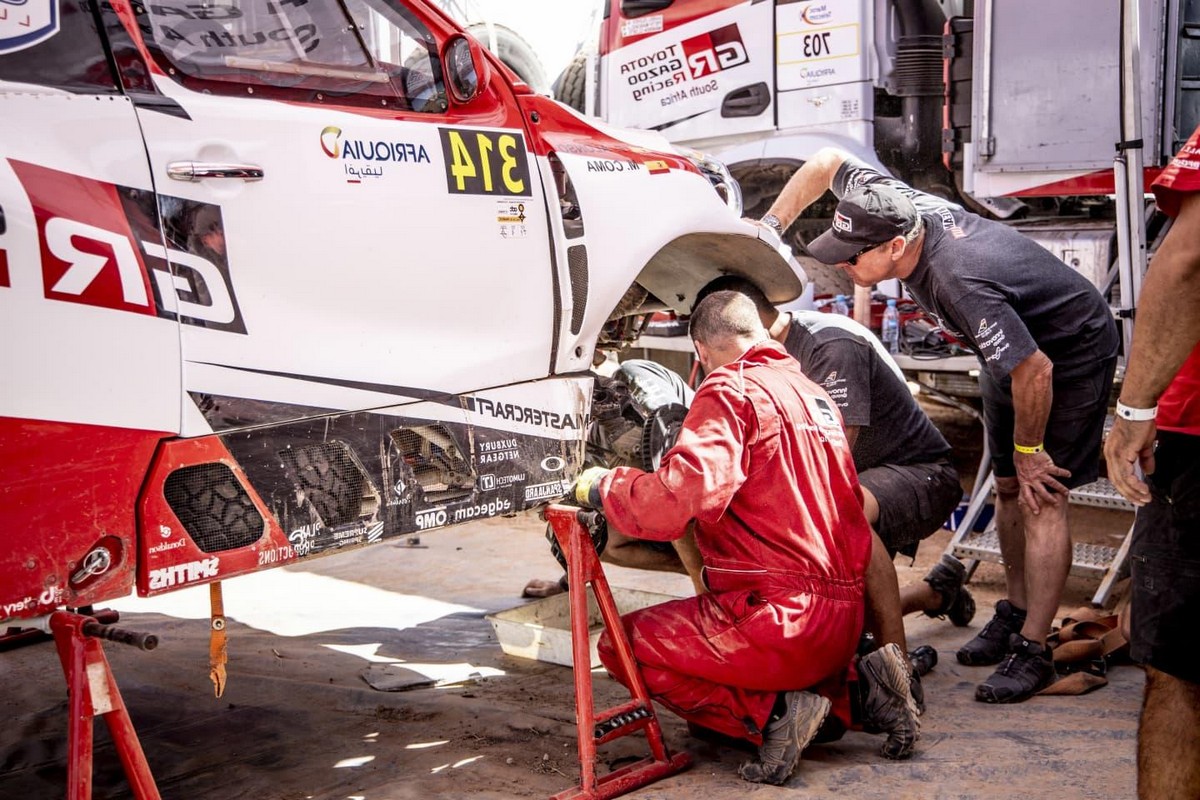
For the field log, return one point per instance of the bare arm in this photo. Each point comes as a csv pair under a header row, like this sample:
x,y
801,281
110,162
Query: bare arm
x,y
814,177
1033,393
1166,330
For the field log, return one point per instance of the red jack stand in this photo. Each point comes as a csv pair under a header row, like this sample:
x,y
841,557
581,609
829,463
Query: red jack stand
x,y
93,692
583,567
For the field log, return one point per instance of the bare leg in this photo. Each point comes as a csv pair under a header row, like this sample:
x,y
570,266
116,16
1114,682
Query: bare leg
x,y
1047,562
626,551
884,618
689,556
1169,739
1011,530
919,596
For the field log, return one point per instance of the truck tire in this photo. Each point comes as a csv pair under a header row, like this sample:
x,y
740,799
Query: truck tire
x,y
330,479
570,87
515,52
214,508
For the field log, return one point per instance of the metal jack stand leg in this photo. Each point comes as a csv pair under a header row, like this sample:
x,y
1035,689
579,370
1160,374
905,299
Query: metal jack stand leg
x,y
93,692
583,567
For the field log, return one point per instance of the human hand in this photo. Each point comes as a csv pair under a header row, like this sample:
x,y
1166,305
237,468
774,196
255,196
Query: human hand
x,y
1038,476
597,528
586,490
1130,443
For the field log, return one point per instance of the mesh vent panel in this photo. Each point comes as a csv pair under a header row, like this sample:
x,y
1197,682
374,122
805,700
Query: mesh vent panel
x,y
213,507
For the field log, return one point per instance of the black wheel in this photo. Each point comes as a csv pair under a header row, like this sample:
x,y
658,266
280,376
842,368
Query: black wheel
x,y
659,434
516,53
570,87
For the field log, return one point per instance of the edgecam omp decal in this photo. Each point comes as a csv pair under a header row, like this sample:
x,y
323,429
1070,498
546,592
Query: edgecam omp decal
x,y
485,162
24,23
101,246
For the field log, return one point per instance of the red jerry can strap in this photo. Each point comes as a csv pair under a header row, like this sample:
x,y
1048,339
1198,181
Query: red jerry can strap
x,y
583,568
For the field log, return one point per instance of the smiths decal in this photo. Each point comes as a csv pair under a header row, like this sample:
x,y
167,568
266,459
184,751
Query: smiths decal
x,y
24,23
485,162
683,70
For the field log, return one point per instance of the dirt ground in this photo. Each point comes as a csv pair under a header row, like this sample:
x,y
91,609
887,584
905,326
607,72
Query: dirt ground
x,y
301,719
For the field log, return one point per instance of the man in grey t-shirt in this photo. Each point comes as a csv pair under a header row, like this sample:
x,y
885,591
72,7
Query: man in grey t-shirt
x,y
1047,346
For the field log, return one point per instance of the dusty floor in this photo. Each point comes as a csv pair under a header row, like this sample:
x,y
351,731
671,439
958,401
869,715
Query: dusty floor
x,y
299,719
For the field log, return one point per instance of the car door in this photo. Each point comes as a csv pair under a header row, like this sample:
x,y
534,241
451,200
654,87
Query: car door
x,y
344,233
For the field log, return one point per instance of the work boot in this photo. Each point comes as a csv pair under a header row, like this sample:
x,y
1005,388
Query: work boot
x,y
785,737
1028,669
918,692
991,645
948,578
923,659
885,691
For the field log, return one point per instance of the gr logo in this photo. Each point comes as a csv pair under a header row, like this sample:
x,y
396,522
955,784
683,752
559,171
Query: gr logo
x,y
102,245
715,51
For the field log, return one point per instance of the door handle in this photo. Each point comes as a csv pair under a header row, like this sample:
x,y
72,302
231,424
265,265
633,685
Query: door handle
x,y
199,170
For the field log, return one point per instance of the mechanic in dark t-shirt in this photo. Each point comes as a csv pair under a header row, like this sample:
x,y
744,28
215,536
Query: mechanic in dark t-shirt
x,y
909,485
1047,345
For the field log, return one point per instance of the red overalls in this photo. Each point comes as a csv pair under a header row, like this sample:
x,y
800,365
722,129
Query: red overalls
x,y
763,467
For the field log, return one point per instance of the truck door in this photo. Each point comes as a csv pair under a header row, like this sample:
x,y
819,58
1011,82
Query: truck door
x,y
89,362
337,222
1046,107
690,70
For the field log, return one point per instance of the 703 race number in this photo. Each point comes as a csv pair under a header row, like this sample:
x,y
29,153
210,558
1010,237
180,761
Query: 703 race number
x,y
485,162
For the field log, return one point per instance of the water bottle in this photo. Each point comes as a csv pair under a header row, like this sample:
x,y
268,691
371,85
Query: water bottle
x,y
839,305
890,329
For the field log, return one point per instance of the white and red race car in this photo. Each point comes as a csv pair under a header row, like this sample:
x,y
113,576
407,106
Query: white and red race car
x,y
283,278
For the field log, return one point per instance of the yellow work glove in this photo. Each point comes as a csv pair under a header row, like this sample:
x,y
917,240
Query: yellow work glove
x,y
587,487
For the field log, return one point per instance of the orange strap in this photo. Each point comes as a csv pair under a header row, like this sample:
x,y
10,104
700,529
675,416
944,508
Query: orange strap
x,y
217,653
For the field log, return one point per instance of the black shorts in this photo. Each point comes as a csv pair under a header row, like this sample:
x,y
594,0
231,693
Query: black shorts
x,y
914,501
1165,562
1073,433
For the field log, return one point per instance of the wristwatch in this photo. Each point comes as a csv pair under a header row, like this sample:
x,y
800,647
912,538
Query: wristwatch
x,y
773,222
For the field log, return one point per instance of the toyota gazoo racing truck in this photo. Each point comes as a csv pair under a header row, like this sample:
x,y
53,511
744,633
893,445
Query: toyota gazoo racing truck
x,y
280,279
1011,108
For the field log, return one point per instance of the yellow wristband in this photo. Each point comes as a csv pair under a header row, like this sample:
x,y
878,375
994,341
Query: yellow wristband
x,y
1020,448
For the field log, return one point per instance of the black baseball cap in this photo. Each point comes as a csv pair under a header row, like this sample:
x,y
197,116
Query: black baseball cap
x,y
870,215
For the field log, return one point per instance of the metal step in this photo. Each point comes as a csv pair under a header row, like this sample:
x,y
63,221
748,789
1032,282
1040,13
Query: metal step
x,y
1088,560
1102,494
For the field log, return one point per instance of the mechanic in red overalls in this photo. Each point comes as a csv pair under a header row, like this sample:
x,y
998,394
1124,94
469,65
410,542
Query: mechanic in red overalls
x,y
763,468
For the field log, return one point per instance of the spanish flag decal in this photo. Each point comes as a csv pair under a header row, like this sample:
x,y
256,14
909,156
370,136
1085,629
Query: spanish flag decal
x,y
657,167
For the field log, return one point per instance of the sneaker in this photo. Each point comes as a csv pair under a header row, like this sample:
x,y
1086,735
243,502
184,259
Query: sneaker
x,y
1028,669
948,578
885,686
785,737
918,692
923,659
991,645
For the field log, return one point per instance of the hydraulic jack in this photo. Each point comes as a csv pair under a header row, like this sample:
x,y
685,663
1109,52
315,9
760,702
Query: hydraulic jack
x,y
583,568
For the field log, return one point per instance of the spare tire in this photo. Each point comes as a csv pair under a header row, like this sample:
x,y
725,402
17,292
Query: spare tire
x,y
515,52
570,87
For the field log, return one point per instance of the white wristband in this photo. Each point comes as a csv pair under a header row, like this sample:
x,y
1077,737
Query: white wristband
x,y
1136,414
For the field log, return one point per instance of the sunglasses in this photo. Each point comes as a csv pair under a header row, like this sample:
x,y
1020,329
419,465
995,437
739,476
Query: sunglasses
x,y
853,260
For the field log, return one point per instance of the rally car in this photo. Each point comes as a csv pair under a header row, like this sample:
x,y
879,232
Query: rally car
x,y
279,279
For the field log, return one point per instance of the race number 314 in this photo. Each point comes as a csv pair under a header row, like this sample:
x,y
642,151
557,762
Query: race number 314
x,y
485,162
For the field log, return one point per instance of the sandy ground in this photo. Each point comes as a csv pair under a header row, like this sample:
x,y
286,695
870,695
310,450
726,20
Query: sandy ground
x,y
300,720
